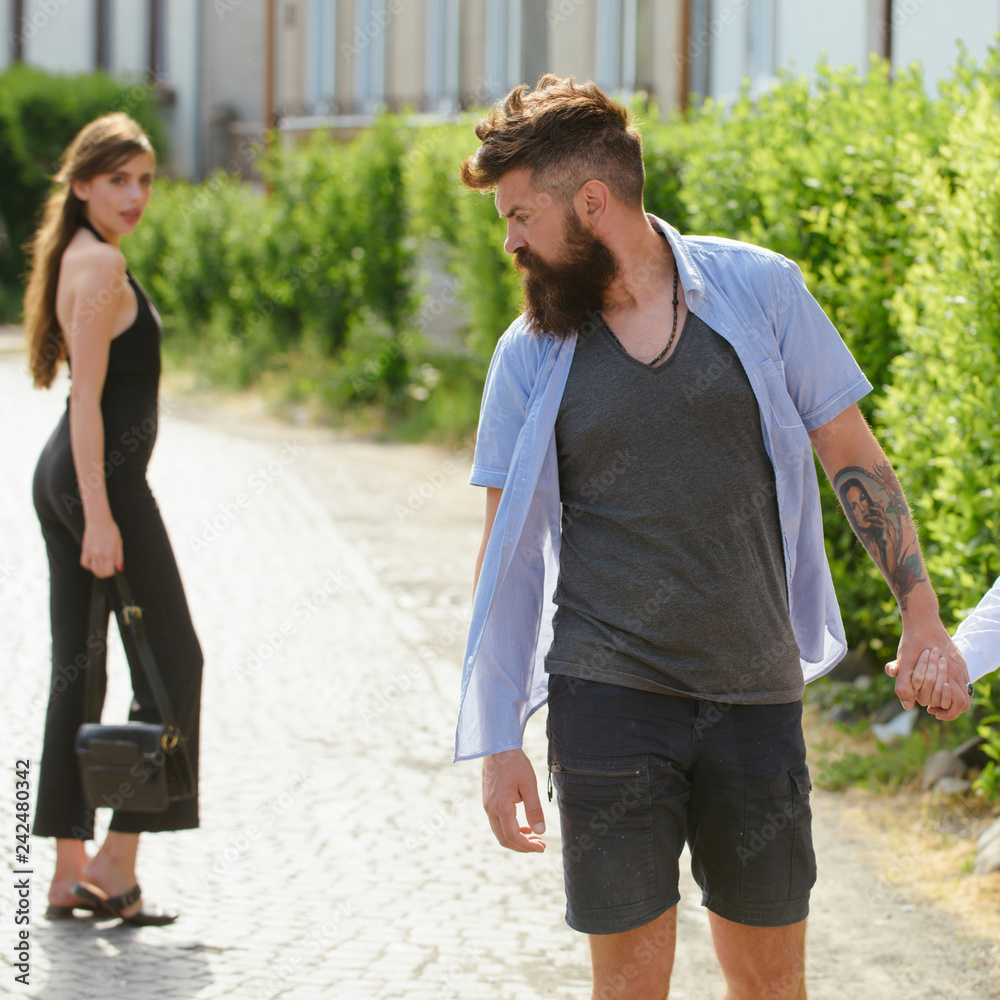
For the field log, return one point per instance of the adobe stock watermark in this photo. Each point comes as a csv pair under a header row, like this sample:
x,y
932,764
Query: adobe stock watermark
x,y
257,483
889,882
634,791
700,40
902,11
138,436
317,942
417,496
273,639
112,970
445,640
246,324
563,11
41,16
446,980
374,367
365,34
265,817
224,7
430,828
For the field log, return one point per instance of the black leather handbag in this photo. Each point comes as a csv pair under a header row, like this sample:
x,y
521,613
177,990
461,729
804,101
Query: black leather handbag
x,y
133,766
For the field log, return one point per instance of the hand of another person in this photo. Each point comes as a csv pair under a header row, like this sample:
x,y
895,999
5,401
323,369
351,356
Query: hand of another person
x,y
509,778
101,552
936,676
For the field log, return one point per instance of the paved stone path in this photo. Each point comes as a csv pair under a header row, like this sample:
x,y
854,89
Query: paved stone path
x,y
341,853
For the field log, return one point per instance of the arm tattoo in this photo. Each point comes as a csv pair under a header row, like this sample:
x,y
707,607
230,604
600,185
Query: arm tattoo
x,y
874,503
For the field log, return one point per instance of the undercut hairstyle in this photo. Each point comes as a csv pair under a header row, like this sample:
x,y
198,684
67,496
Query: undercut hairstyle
x,y
566,134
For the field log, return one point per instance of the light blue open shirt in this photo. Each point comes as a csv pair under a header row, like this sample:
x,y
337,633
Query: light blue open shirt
x,y
802,375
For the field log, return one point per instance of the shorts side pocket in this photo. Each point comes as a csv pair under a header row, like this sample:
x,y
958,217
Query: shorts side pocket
x,y
777,858
606,819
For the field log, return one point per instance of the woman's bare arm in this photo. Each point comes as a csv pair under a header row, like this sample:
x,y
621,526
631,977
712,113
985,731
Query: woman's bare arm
x,y
93,294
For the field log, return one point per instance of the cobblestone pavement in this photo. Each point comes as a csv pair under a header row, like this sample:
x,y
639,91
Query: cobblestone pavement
x,y
341,853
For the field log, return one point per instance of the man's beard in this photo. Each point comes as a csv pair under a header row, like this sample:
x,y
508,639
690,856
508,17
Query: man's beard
x,y
560,297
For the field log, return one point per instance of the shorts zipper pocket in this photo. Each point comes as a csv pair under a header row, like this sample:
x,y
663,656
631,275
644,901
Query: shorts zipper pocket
x,y
590,774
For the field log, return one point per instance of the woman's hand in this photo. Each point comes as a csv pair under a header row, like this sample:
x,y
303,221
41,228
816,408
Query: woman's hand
x,y
101,552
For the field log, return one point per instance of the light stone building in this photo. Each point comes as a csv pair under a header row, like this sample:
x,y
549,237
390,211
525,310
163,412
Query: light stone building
x,y
333,63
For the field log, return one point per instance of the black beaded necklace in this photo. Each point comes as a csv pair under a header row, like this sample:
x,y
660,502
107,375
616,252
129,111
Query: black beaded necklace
x,y
673,331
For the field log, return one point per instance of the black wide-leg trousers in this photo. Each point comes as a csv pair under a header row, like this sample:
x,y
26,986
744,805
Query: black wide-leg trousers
x,y
152,573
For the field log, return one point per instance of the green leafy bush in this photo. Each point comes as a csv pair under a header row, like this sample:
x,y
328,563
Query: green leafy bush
x,y
886,198
462,230
940,412
823,174
313,281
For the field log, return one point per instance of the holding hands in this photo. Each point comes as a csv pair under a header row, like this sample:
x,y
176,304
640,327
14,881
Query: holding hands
x,y
937,678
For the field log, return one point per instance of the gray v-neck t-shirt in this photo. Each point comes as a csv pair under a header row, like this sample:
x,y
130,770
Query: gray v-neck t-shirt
x,y
672,572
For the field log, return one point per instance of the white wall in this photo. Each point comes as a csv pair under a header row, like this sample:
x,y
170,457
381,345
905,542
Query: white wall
x,y
59,36
927,29
7,45
808,30
180,73
729,28
129,57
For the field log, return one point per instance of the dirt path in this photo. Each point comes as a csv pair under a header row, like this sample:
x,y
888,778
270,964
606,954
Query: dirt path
x,y
873,934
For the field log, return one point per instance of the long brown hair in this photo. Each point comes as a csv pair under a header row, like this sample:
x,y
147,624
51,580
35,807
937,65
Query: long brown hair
x,y
99,148
566,133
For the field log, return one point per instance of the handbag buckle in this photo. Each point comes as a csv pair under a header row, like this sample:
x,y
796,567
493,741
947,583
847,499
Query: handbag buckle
x,y
130,611
169,738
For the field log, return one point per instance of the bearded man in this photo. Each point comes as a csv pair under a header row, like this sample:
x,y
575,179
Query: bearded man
x,y
652,561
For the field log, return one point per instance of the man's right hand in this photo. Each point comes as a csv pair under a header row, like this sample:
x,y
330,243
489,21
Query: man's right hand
x,y
509,778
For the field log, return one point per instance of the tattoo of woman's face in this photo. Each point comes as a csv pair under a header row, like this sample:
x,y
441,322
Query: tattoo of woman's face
x,y
875,506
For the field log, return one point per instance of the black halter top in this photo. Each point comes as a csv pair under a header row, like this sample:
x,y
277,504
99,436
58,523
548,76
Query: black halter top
x,y
136,350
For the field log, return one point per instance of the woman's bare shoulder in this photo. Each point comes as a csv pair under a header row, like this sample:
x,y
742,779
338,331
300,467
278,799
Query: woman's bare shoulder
x,y
89,265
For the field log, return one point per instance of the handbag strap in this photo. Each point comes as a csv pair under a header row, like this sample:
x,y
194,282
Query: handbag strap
x,y
131,619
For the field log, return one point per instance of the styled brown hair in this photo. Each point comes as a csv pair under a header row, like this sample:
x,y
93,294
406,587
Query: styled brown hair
x,y
566,133
99,148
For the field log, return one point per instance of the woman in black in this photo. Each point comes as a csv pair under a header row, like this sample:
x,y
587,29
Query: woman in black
x,y
96,511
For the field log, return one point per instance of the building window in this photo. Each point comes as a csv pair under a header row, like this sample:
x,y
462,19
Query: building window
x,y
616,59
102,35
155,61
17,30
371,23
760,44
321,68
503,47
699,63
441,75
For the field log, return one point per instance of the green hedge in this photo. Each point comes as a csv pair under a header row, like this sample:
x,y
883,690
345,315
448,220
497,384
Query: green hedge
x,y
39,115
887,199
314,282
941,413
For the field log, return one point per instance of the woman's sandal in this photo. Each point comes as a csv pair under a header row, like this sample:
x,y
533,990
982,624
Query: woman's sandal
x,y
66,912
114,905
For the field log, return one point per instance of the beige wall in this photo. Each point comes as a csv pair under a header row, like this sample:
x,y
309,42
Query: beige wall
x,y
661,60
292,43
404,57
572,41
472,72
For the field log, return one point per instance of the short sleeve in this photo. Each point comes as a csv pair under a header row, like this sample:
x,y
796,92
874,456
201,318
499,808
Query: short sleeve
x,y
821,375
